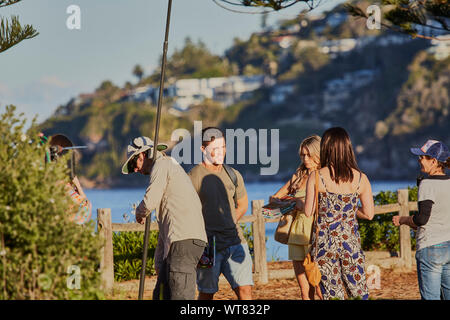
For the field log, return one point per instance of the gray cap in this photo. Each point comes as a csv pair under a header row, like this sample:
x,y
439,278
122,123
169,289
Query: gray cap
x,y
433,148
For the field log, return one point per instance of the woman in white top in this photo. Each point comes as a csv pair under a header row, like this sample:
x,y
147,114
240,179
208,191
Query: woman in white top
x,y
432,222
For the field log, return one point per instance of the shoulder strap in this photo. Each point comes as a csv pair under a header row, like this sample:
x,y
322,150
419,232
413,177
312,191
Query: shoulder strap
x,y
323,181
294,183
316,206
233,179
359,182
316,195
316,210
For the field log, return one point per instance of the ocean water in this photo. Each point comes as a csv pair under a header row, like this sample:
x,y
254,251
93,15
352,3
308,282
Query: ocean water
x,y
120,201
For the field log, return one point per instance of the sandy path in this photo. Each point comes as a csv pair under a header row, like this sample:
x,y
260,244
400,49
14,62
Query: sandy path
x,y
394,285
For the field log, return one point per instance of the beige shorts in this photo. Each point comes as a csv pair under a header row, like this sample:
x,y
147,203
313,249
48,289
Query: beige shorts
x,y
297,252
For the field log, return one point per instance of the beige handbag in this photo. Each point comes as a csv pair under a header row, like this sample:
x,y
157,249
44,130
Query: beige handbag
x,y
284,227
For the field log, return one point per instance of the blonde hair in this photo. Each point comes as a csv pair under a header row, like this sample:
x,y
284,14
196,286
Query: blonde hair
x,y
312,145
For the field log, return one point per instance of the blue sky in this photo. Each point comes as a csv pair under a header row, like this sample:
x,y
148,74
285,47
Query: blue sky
x,y
39,74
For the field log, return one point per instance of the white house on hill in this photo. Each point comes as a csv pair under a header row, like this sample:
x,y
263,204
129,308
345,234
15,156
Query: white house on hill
x,y
191,91
187,92
339,89
338,46
440,48
227,90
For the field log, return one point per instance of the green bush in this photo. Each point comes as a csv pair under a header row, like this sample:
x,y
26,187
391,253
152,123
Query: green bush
x,y
380,233
128,254
43,255
127,248
248,235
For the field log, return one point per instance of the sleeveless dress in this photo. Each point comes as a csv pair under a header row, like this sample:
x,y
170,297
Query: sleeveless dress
x,y
299,235
339,254
83,206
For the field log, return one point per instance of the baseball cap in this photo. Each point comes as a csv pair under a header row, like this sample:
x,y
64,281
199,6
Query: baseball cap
x,y
433,148
139,145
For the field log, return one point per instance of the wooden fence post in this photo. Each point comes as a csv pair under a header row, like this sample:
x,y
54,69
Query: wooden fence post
x,y
259,241
405,236
104,227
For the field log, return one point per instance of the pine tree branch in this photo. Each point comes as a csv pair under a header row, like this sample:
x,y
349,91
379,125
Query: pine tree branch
x,y
274,4
402,19
13,33
4,3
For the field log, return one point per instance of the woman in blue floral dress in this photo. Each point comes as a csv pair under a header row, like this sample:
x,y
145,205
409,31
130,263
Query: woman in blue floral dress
x,y
337,247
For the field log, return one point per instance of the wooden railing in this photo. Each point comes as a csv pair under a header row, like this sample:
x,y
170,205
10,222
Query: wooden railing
x,y
106,228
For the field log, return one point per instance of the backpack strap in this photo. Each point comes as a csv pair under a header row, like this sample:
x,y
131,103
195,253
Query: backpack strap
x,y
233,178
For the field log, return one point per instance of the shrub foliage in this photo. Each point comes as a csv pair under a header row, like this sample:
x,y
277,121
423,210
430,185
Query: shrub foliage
x,y
380,233
128,248
43,255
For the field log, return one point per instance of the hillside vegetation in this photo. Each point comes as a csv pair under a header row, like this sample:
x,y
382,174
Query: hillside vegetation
x,y
388,90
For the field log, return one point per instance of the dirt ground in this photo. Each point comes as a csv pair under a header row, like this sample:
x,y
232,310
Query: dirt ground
x,y
395,284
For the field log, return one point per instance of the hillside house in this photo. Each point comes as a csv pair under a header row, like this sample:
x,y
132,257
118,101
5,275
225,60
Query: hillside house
x,y
226,90
192,91
392,39
338,90
280,92
440,48
334,47
238,88
284,42
143,94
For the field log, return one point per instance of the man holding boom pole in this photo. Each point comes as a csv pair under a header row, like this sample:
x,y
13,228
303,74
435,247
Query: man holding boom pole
x,y
182,235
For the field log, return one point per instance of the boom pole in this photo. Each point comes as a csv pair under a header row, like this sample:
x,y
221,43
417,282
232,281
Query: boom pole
x,y
158,118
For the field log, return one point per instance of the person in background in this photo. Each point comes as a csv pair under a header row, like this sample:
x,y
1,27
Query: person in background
x,y
432,221
300,232
337,247
223,204
73,188
182,236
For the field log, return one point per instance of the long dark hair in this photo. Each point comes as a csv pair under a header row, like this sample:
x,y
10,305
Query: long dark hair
x,y
336,153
